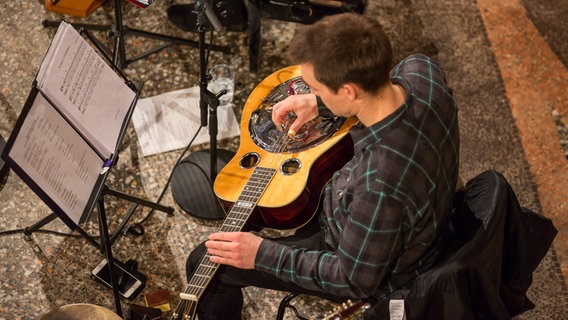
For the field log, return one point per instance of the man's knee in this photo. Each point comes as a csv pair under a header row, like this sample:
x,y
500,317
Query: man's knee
x,y
194,259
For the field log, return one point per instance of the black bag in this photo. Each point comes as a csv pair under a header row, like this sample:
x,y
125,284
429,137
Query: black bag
x,y
494,249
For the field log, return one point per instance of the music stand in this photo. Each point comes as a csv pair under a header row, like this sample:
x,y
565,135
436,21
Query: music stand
x,y
191,187
4,169
118,31
60,152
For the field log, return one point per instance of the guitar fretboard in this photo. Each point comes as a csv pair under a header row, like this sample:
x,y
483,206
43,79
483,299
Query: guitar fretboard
x,y
235,221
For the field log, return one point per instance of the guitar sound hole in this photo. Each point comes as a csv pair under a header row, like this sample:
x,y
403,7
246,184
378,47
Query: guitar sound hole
x,y
290,166
249,160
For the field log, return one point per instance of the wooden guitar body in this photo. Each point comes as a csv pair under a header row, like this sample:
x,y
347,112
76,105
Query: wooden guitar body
x,y
272,181
302,168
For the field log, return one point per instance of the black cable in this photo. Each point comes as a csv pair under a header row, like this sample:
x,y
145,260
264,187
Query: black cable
x,y
57,233
138,225
8,232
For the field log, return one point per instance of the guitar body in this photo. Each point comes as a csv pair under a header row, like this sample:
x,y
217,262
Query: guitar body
x,y
272,181
291,199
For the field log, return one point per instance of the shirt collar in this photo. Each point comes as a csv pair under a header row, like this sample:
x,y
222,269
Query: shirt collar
x,y
363,136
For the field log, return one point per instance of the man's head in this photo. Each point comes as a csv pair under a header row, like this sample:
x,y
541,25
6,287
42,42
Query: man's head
x,y
345,48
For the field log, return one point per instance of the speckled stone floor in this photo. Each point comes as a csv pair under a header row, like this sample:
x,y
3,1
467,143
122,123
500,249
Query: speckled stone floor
x,y
505,60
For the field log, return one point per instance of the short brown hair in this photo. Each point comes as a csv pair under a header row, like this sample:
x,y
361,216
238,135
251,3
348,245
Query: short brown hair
x,y
345,48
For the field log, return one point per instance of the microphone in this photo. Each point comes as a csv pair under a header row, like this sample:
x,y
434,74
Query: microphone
x,y
213,19
206,6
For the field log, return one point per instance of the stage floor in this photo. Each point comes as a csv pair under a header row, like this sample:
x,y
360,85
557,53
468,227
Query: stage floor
x,y
506,63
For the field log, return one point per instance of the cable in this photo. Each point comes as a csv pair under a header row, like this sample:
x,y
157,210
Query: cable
x,y
138,225
136,228
57,233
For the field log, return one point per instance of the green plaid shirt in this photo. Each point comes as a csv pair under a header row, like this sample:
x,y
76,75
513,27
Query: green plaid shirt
x,y
385,209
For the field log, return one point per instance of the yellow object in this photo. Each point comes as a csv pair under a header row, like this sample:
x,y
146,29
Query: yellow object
x,y
158,299
78,8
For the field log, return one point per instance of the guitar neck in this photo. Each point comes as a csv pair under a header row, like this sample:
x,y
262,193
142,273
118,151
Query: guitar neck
x,y
242,209
235,221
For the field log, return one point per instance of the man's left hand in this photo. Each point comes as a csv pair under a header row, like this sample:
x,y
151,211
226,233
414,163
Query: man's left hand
x,y
237,249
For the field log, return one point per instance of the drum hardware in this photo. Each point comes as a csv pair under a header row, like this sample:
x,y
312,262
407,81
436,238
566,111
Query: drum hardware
x,y
118,30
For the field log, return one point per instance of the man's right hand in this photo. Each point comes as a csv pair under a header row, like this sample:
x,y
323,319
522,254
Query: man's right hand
x,y
304,106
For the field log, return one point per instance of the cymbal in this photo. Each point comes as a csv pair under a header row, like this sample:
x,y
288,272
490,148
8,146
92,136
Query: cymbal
x,y
80,311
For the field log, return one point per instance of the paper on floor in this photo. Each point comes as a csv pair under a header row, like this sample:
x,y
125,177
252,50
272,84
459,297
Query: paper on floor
x,y
169,121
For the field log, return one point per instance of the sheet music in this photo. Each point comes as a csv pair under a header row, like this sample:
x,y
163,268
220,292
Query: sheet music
x,y
168,121
85,88
56,158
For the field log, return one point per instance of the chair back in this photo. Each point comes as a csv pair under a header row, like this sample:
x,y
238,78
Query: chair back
x,y
485,271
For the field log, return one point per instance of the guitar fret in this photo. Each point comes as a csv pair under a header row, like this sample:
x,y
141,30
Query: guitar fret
x,y
235,220
202,277
250,195
239,212
244,204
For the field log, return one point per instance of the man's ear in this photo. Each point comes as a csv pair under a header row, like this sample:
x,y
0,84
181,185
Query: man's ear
x,y
351,90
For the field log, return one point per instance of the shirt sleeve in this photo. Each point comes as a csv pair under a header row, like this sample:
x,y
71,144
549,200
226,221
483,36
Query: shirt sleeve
x,y
368,245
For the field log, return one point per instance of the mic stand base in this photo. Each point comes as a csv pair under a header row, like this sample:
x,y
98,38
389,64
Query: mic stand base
x,y
191,185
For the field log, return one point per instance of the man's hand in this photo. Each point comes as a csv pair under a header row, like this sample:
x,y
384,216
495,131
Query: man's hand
x,y
237,249
303,105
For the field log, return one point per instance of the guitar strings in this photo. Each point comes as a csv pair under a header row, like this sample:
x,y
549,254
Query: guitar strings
x,y
206,268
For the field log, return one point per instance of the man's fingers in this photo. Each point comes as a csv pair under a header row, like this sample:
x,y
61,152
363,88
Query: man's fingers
x,y
279,112
220,253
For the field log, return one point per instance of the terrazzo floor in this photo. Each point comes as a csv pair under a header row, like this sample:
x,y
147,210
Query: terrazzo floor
x,y
505,60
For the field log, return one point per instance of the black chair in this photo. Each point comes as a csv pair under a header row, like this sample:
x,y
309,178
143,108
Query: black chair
x,y
494,248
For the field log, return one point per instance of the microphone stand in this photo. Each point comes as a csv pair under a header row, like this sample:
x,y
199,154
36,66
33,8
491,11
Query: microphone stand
x,y
191,188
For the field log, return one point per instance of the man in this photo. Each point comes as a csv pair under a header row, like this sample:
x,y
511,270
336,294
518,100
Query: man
x,y
385,212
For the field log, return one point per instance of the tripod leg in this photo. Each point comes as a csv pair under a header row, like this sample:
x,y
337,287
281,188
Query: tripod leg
x,y
118,31
88,26
174,40
36,226
149,204
107,247
119,58
254,20
29,230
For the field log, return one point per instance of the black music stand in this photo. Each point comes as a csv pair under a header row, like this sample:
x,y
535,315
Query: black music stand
x,y
118,31
193,178
71,176
4,169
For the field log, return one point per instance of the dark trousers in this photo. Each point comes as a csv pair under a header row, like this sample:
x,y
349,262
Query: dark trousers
x,y
223,298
